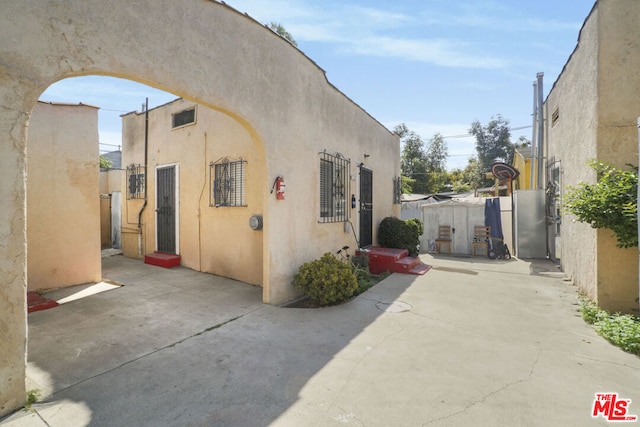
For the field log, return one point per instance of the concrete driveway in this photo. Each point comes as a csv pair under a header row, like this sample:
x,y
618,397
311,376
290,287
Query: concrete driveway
x,y
472,342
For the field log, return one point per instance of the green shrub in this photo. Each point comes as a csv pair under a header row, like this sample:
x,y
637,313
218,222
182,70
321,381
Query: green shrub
x,y
416,226
396,233
609,203
622,330
326,281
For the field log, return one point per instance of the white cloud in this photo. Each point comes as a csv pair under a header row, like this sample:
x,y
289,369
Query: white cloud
x,y
443,52
369,31
123,95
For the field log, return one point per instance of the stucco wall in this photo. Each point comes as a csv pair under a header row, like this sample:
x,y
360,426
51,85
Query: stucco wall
x,y
63,206
219,240
618,112
572,141
212,239
230,62
598,99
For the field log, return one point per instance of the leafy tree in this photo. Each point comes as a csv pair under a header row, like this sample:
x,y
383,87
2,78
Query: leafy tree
x,y
493,143
456,181
523,142
473,174
105,163
436,162
425,166
609,203
413,161
407,185
282,32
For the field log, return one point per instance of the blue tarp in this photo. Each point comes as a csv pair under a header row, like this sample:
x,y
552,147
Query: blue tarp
x,y
492,217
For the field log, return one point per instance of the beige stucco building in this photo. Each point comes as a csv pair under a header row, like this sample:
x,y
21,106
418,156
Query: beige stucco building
x,y
62,196
282,101
591,113
219,183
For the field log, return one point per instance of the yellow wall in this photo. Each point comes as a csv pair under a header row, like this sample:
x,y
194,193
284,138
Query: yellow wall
x,y
523,165
214,240
63,204
598,99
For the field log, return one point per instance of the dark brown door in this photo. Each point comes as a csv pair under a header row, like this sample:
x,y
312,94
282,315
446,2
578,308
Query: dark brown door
x,y
366,207
166,209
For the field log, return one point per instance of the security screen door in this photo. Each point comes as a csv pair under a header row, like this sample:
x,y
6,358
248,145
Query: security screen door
x,y
166,209
366,207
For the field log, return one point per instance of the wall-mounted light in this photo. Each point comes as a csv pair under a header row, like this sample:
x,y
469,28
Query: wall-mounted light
x,y
366,155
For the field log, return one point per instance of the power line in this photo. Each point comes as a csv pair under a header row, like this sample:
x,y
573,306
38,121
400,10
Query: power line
x,y
466,135
115,111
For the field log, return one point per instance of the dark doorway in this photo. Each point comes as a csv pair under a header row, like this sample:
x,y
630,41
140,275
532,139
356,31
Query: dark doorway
x,y
166,209
366,207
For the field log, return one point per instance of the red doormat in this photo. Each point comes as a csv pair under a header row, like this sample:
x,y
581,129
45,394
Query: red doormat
x,y
36,302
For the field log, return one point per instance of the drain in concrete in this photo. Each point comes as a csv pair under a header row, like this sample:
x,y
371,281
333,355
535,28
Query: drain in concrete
x,y
394,307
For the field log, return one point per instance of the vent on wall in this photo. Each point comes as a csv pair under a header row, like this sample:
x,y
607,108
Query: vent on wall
x,y
555,116
183,118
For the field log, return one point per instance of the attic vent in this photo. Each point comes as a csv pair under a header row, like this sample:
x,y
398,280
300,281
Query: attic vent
x,y
555,116
183,118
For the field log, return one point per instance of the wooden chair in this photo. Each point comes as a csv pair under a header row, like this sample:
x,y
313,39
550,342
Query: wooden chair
x,y
444,238
481,236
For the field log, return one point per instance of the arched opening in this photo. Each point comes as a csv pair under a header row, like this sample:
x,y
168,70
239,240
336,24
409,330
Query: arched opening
x,y
218,173
209,54
65,189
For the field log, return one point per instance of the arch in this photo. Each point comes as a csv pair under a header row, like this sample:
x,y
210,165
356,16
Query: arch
x,y
200,50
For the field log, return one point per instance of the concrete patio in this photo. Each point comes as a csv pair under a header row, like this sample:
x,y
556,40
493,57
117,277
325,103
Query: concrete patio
x,y
472,342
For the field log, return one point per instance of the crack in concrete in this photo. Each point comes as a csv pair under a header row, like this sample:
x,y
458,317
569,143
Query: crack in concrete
x,y
42,418
593,359
209,329
488,395
357,365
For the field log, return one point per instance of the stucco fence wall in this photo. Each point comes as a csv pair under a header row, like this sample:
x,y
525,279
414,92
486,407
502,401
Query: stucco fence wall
x,y
63,201
230,62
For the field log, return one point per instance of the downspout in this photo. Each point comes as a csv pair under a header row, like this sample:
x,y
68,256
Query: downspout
x,y
534,135
540,131
146,146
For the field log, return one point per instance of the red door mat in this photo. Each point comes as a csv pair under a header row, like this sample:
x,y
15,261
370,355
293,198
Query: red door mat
x,y
36,302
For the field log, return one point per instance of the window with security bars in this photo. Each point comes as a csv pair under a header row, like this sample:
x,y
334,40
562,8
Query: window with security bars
x,y
135,181
228,183
397,190
334,188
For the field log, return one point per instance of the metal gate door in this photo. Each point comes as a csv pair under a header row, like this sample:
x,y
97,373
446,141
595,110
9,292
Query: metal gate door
x,y
366,207
166,209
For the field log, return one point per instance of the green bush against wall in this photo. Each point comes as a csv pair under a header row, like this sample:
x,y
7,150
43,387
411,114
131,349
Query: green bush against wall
x,y
396,233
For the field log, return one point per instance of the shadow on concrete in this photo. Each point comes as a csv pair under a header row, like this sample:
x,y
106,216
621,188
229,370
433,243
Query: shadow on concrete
x,y
178,347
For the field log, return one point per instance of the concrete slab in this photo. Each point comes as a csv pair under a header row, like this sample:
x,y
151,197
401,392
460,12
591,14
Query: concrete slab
x,y
473,342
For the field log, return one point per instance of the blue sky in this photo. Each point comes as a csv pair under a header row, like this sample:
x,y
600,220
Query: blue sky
x,y
436,65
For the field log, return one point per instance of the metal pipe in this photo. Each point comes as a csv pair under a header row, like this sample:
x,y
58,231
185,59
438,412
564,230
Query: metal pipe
x,y
146,145
534,135
540,130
